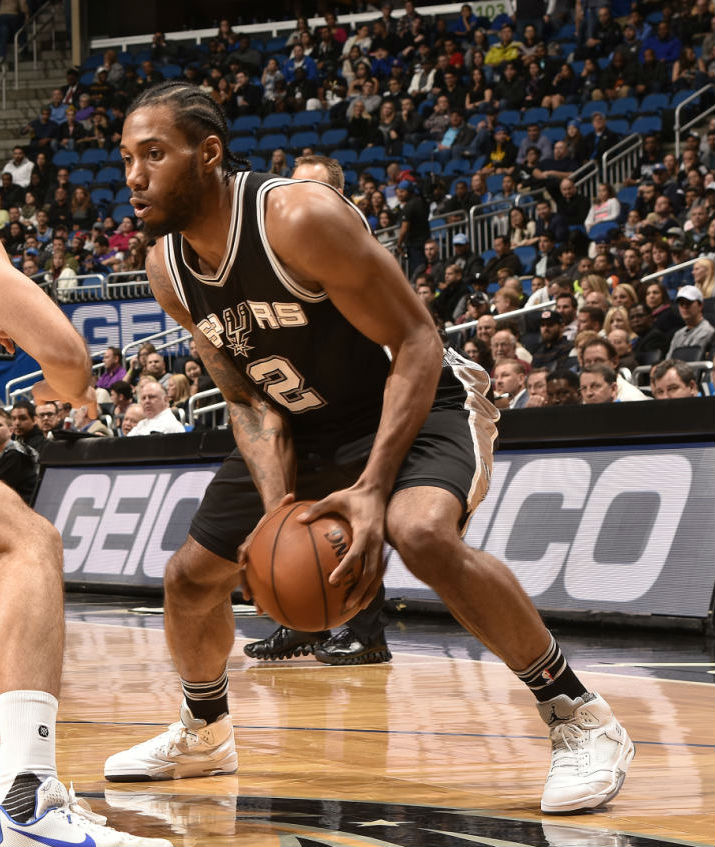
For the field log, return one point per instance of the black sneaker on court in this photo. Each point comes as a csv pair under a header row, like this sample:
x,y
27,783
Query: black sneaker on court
x,y
285,643
346,648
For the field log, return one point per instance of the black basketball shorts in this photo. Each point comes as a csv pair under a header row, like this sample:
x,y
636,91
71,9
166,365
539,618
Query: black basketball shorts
x,y
453,451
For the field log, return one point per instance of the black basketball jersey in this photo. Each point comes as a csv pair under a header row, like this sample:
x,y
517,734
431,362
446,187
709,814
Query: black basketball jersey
x,y
290,342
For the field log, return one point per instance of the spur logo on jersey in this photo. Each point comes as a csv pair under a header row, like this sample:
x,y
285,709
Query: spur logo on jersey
x,y
233,327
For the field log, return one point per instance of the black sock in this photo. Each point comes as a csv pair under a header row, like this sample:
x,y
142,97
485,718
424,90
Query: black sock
x,y
207,700
19,801
550,675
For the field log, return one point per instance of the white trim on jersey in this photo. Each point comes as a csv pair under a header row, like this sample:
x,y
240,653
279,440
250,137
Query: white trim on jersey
x,y
234,235
174,275
475,381
292,286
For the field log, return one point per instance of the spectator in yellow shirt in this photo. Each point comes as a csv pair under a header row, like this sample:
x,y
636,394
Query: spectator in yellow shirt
x,y
506,51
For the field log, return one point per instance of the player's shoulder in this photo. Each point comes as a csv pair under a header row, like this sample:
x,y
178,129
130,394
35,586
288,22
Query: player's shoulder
x,y
297,207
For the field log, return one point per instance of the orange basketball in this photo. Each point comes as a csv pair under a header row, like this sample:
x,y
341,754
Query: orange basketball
x,y
289,564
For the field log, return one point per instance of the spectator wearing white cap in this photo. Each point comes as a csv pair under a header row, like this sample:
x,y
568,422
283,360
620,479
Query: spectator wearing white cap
x,y
697,332
463,256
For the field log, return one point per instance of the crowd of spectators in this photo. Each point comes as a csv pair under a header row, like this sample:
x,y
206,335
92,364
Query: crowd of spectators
x,y
457,87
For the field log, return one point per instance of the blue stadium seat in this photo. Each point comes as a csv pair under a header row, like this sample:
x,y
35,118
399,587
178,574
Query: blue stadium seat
x,y
345,156
654,103
272,141
603,62
601,230
81,176
275,45
372,154
535,115
351,177
245,125
593,106
171,71
563,114
333,137
408,150
109,175
487,255
309,119
527,257
425,149
93,157
101,196
475,119
307,138
258,163
123,194
627,195
142,56
478,163
376,172
620,125
115,155
679,96
242,144
577,66
87,78
276,121
125,58
494,182
427,168
625,106
456,167
554,133
517,136
646,124
122,210
65,158
510,117
567,31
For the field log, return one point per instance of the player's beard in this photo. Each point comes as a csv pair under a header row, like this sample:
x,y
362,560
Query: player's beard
x,y
181,205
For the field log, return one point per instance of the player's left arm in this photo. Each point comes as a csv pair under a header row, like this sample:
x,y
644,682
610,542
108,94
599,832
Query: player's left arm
x,y
323,244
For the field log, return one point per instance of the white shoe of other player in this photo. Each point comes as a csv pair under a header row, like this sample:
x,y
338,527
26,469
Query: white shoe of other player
x,y
63,820
590,755
188,748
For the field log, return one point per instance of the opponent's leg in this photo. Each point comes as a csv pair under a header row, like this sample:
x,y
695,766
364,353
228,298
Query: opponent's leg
x,y
34,805
199,628
482,593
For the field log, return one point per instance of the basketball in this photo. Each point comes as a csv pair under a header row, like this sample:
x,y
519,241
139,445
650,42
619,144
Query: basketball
x,y
289,564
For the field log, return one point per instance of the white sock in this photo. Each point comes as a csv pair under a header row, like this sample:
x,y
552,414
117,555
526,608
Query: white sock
x,y
27,736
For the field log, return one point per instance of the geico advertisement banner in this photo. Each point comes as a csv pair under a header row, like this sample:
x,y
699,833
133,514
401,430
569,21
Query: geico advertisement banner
x,y
609,530
116,323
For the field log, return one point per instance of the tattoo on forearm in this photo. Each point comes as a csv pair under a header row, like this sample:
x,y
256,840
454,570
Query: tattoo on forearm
x,y
250,422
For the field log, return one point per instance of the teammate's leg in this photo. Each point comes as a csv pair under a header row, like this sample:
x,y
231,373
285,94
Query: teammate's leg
x,y
32,638
482,593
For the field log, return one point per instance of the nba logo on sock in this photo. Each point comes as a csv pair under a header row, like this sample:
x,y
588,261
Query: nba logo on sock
x,y
43,731
547,676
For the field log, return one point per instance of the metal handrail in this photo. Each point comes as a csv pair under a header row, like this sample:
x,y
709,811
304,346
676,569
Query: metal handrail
x,y
32,24
587,175
677,128
192,412
482,217
670,270
273,28
455,328
164,333
613,158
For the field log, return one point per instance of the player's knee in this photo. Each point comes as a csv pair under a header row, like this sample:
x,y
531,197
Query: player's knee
x,y
178,581
29,539
423,544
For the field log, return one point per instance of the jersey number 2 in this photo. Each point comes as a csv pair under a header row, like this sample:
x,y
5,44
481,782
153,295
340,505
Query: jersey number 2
x,y
283,384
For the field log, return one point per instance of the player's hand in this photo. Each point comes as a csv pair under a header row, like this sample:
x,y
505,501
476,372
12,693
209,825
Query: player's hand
x,y
242,555
364,509
7,342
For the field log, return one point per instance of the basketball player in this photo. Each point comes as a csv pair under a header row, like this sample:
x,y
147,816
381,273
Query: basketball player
x,y
34,805
292,303
363,641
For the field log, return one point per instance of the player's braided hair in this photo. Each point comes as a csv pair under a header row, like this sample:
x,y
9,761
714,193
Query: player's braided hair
x,y
196,114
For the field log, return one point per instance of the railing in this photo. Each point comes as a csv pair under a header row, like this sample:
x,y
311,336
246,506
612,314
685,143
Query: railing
x,y
31,29
485,221
127,284
679,108
673,269
586,179
155,336
549,304
211,408
621,160
3,85
272,28
444,233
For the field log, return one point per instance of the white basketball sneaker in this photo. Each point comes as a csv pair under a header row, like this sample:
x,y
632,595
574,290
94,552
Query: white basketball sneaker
x,y
590,754
188,748
63,820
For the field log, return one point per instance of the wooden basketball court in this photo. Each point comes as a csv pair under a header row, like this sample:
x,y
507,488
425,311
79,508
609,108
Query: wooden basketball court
x,y
425,751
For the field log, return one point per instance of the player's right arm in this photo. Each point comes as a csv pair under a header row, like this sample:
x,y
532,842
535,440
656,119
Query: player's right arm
x,y
30,320
262,434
